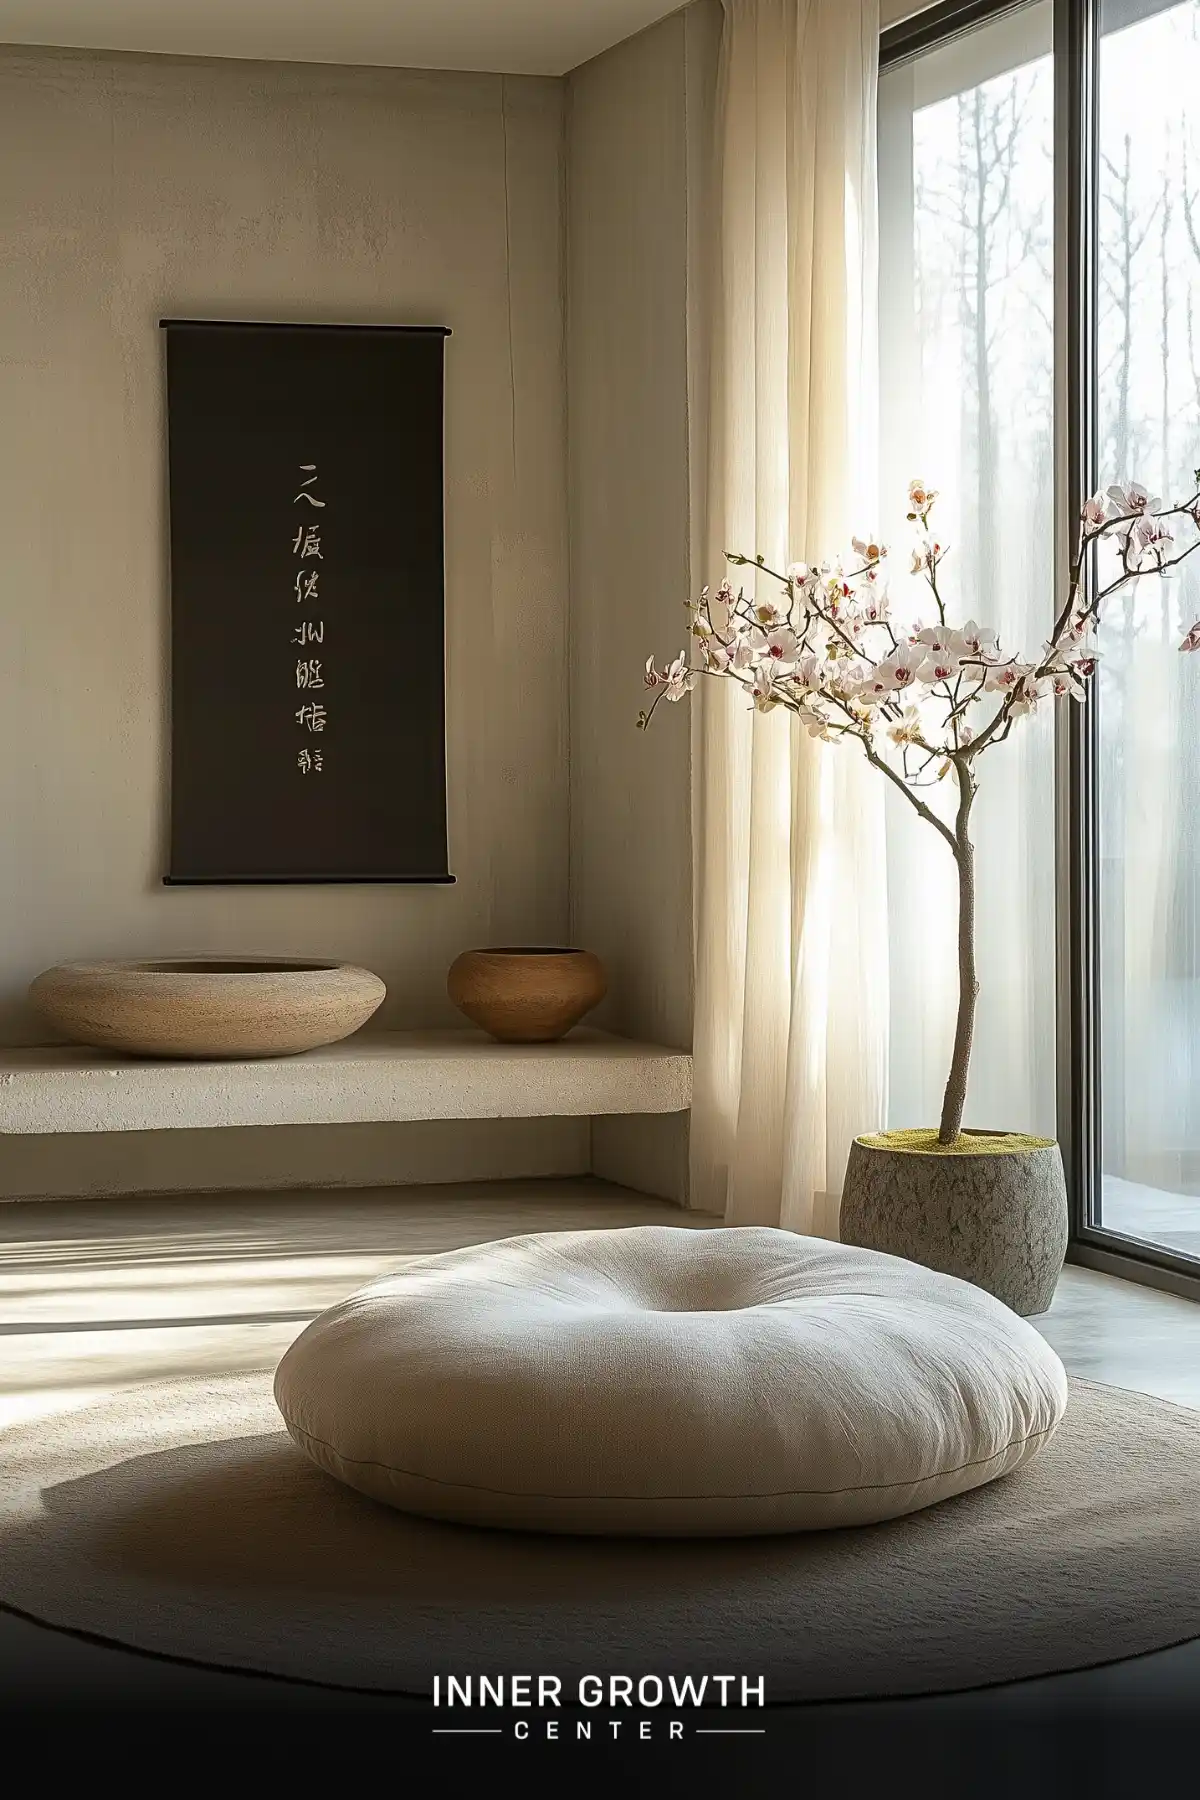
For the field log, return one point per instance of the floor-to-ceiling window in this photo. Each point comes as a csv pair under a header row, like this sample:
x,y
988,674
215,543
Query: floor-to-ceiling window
x,y
978,130
966,201
1148,701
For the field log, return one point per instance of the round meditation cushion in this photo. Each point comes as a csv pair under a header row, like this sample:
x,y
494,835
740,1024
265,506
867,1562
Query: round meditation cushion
x,y
668,1381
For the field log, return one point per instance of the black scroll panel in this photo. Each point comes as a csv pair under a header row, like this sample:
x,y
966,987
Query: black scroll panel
x,y
307,603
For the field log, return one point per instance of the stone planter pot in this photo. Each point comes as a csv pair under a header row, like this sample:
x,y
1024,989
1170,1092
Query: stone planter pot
x,y
526,996
991,1209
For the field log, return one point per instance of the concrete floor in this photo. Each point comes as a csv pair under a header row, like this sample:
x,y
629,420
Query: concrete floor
x,y
96,1294
100,1294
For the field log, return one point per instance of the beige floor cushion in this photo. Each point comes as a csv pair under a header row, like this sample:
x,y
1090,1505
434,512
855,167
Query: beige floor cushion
x,y
665,1381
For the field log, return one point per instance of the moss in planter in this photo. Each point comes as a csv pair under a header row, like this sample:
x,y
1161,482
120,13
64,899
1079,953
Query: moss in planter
x,y
968,1143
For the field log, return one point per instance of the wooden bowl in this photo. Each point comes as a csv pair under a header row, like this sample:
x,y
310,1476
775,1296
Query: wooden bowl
x,y
207,1007
526,996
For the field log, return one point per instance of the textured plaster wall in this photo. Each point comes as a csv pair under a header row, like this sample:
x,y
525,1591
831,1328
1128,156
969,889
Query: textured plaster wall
x,y
639,127
555,226
132,188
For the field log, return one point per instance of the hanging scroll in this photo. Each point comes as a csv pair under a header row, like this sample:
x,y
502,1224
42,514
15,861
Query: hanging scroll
x,y
307,603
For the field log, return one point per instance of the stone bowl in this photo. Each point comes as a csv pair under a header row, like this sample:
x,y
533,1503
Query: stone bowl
x,y
526,996
207,1007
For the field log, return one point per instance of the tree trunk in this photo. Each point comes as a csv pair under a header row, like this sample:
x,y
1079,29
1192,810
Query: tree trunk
x,y
968,981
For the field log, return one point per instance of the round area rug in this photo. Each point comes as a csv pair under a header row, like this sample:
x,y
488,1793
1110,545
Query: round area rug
x,y
179,1518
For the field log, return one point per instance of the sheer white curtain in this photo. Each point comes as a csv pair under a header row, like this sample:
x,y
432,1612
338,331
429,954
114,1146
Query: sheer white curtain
x,y
791,925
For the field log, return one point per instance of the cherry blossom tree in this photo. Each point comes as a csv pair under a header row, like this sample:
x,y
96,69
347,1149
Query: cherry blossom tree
x,y
923,701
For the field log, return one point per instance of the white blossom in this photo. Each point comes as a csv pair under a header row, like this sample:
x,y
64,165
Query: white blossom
x,y
873,600
1131,499
809,674
817,649
927,554
907,728
779,647
978,641
675,680
939,666
1150,543
813,722
1024,697
1006,677
874,686
762,689
944,653
903,664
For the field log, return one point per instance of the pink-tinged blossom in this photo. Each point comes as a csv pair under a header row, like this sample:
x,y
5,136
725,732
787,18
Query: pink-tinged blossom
x,y
1077,661
1133,498
722,654
875,686
675,680
799,660
1152,543
942,645
1024,697
902,666
1076,655
927,555
938,666
818,650
873,605
1006,677
978,641
943,654
1063,682
779,648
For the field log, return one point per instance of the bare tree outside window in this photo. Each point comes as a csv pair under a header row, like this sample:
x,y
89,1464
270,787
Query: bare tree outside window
x,y
1149,410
